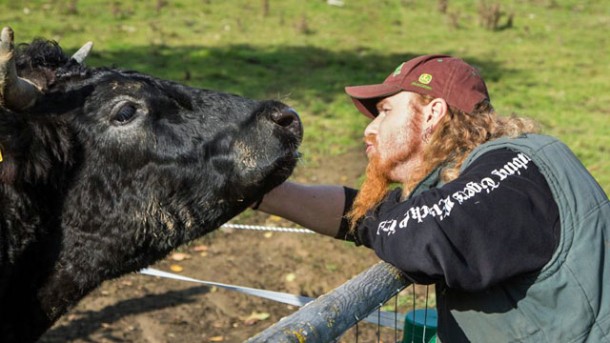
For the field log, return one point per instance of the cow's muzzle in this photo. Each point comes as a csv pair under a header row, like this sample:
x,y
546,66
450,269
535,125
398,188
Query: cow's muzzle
x,y
288,119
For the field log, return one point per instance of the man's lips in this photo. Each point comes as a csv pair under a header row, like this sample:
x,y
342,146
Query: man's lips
x,y
369,148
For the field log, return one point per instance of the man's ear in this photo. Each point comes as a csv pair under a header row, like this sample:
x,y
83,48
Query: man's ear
x,y
434,112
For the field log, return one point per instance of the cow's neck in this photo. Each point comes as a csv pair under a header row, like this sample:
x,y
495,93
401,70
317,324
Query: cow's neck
x,y
84,263
91,255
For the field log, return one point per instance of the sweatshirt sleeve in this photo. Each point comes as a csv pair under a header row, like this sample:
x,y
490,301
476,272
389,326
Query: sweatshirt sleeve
x,y
344,232
496,221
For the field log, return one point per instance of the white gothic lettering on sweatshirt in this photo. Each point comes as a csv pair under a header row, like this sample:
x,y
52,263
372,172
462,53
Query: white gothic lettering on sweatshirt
x,y
442,208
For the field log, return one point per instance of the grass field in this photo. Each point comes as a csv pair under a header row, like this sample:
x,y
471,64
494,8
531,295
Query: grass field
x,y
551,64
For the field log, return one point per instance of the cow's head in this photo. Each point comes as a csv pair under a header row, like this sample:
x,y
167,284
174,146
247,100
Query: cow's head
x,y
122,167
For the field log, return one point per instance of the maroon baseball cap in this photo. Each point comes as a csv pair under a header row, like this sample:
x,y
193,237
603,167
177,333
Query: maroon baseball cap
x,y
439,76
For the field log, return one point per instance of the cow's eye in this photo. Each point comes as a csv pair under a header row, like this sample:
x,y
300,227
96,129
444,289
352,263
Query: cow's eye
x,y
125,114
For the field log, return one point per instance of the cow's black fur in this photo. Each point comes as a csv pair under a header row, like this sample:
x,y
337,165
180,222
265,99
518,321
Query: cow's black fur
x,y
112,169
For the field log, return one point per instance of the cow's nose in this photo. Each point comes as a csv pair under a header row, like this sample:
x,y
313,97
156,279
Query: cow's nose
x,y
289,119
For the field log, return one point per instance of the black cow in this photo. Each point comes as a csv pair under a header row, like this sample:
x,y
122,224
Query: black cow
x,y
105,171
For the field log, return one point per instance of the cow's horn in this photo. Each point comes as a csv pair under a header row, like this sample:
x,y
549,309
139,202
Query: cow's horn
x,y
82,53
15,93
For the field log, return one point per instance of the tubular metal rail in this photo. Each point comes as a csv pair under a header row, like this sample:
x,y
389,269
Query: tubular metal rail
x,y
329,316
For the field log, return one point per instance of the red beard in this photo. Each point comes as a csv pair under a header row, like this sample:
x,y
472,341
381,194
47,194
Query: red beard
x,y
378,177
373,190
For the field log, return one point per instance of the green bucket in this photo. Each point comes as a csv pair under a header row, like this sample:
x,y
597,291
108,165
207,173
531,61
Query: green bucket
x,y
420,326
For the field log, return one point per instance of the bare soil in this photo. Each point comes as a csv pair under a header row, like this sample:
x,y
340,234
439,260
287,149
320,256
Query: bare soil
x,y
145,309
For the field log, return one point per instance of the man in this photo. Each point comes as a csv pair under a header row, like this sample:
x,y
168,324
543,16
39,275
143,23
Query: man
x,y
509,226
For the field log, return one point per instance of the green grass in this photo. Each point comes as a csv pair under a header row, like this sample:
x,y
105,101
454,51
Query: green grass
x,y
552,65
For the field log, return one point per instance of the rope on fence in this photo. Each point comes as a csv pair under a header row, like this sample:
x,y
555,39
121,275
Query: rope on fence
x,y
266,228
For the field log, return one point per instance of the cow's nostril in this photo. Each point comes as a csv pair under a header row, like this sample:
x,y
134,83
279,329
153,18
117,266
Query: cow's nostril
x,y
285,117
288,118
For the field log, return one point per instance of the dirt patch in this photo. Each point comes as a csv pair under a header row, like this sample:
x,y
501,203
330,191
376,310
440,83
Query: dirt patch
x,y
145,309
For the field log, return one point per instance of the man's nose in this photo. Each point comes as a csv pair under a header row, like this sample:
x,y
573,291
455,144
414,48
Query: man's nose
x,y
372,128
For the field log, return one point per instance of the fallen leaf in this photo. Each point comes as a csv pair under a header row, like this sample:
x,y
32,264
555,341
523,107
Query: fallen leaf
x,y
176,268
274,218
179,256
290,277
268,234
216,339
255,317
200,247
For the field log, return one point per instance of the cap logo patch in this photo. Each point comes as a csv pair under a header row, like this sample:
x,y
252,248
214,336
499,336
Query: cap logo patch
x,y
423,81
398,69
425,78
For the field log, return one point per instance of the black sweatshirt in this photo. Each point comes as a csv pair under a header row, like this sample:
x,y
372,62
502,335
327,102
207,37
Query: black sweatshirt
x,y
496,221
